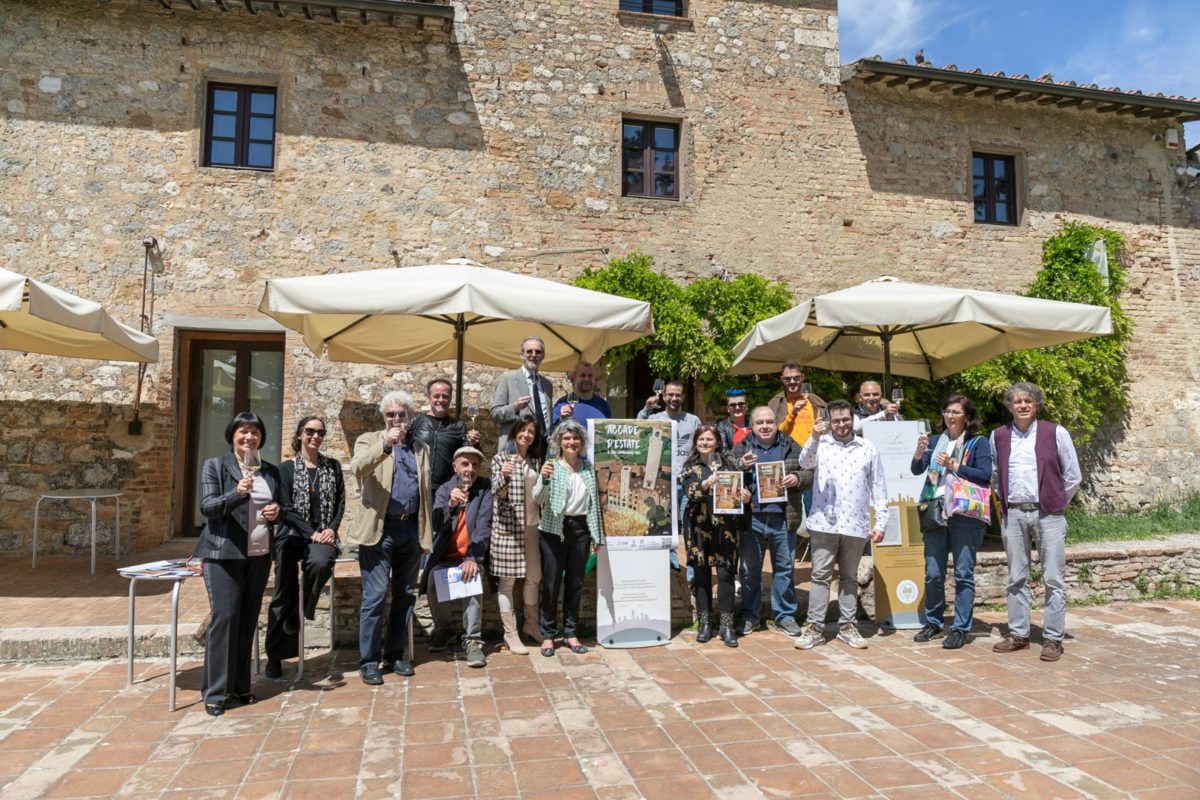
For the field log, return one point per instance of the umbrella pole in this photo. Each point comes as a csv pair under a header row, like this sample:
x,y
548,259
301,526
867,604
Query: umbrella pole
x,y
887,363
460,333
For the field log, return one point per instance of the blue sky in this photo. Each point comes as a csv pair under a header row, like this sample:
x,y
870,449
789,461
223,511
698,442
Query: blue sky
x,y
1152,45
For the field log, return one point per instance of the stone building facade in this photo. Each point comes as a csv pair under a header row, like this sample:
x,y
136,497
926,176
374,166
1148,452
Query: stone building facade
x,y
407,138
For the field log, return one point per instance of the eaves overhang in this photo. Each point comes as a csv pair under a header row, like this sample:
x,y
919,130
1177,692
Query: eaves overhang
x,y
1021,89
345,11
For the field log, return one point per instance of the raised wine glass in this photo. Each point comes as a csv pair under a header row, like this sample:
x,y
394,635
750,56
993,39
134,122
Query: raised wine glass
x,y
806,389
897,394
923,426
251,461
472,412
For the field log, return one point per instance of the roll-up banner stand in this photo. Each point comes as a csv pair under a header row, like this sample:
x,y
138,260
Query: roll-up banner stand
x,y
899,560
632,459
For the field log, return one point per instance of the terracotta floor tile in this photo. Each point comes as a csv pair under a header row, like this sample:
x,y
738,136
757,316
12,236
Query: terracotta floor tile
x,y
210,774
1073,749
709,759
734,730
1029,783
540,748
788,782
674,788
887,773
749,755
655,764
435,756
133,754
436,783
539,775
91,782
319,790
1127,775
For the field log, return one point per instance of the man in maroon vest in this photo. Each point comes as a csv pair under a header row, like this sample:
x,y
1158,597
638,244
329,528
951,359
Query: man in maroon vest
x,y
1038,473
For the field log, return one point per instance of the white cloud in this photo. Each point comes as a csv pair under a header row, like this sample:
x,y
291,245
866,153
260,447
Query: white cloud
x,y
894,28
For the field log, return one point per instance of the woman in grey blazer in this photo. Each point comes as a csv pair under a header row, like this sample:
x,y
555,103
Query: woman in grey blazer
x,y
240,505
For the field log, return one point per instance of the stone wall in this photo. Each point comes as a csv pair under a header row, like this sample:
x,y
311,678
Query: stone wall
x,y
1100,572
500,141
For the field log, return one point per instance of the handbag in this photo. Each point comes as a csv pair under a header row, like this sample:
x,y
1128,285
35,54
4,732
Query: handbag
x,y
932,513
969,499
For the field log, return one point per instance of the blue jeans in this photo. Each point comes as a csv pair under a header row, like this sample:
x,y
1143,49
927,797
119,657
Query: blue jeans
x,y
960,536
768,531
393,562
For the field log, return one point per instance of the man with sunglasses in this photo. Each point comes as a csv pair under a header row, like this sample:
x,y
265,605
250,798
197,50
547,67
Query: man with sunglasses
x,y
735,427
523,393
797,411
391,531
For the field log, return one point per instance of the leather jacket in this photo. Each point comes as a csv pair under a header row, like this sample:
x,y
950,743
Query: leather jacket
x,y
443,437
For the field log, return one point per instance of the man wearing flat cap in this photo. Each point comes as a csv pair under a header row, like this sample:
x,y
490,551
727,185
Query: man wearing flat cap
x,y
462,528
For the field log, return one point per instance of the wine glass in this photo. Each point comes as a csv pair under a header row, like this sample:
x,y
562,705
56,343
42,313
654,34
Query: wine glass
x,y
251,461
897,394
806,389
472,412
923,426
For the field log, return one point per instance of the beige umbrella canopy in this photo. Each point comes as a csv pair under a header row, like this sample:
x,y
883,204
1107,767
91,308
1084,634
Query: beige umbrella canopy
x,y
912,329
35,317
460,310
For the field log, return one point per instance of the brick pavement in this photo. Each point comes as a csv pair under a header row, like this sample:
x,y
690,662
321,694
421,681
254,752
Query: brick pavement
x,y
1118,716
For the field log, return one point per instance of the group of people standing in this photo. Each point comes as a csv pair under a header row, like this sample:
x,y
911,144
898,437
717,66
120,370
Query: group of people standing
x,y
535,517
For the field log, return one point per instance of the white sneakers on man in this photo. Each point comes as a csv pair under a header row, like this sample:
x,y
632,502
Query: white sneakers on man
x,y
812,636
850,635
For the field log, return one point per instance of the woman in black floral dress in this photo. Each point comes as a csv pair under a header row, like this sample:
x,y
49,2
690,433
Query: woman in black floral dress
x,y
712,539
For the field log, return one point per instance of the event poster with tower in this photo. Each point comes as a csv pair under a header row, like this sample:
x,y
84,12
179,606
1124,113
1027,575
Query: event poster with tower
x,y
639,506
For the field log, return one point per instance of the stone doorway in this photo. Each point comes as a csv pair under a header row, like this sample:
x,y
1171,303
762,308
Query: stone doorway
x,y
224,373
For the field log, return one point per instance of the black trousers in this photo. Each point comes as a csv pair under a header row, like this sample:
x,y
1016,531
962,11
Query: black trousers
x,y
235,589
702,589
318,566
569,554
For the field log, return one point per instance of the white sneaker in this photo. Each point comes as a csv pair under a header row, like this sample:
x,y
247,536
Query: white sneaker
x,y
813,635
850,635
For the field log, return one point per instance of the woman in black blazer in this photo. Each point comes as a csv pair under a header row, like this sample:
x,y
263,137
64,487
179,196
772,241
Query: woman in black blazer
x,y
240,507
314,494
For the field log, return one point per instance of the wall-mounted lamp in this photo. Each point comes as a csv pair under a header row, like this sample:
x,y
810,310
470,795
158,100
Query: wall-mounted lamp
x,y
1172,138
662,26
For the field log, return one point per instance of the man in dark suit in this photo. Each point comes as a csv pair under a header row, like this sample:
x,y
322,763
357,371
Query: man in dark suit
x,y
523,393
462,524
391,530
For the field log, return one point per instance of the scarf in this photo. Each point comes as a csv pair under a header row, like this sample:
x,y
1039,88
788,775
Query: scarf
x,y
325,486
933,475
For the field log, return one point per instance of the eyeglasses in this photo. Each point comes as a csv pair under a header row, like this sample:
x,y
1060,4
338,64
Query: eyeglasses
x,y
737,405
792,379
314,432
534,352
396,414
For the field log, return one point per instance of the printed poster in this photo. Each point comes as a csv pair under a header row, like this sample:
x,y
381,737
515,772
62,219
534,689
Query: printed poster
x,y
770,482
727,493
632,459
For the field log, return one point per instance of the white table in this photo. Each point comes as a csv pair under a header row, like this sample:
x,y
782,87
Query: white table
x,y
178,580
91,495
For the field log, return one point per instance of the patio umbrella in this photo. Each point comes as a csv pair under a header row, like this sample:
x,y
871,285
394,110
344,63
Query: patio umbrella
x,y
35,317
460,310
912,329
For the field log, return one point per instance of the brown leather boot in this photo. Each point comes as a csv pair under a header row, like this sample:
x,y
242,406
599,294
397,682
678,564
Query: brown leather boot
x,y
1011,644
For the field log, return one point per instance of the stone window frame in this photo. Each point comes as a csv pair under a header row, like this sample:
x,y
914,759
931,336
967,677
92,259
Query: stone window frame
x,y
1017,160
682,161
242,79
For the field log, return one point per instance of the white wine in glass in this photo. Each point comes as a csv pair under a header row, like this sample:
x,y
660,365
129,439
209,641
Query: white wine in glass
x,y
923,426
806,389
251,461
897,394
472,412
